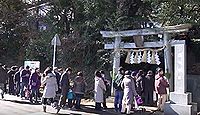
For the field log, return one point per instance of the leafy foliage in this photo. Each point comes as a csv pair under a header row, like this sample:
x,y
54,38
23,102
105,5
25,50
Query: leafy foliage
x,y
78,23
173,12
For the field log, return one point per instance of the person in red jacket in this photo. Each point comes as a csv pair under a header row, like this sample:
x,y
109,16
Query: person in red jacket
x,y
161,84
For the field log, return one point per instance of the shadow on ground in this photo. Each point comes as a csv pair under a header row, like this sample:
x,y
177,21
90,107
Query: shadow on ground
x,y
88,109
21,102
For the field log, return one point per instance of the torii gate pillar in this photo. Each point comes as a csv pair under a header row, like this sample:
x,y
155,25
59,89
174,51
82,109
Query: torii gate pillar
x,y
116,60
168,60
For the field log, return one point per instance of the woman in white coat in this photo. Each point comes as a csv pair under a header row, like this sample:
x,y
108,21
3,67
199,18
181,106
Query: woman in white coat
x,y
50,88
99,88
129,92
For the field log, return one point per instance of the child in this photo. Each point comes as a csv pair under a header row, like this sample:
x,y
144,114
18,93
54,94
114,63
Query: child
x,y
70,97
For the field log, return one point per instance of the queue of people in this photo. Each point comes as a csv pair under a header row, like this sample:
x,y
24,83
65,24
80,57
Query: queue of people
x,y
131,88
136,88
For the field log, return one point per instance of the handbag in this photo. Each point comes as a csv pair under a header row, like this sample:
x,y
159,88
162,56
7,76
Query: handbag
x,y
139,100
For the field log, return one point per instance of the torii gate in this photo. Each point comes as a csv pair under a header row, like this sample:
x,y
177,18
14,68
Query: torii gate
x,y
179,99
142,32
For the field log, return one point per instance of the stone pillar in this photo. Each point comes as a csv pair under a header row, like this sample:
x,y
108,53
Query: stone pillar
x,y
180,68
116,60
180,102
168,60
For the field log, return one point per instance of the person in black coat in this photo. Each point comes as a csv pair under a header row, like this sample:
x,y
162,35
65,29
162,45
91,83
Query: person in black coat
x,y
140,82
58,77
107,84
3,79
11,74
149,88
17,81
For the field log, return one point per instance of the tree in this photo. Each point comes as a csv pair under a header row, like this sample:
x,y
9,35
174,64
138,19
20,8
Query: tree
x,y
172,12
14,28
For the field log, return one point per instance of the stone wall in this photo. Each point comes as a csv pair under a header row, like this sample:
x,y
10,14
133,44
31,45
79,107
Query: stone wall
x,y
193,86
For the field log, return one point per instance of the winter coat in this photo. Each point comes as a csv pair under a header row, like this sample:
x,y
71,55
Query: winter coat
x,y
3,75
11,75
117,82
17,77
161,84
99,88
58,76
64,83
25,75
34,81
129,89
140,84
149,83
50,86
79,85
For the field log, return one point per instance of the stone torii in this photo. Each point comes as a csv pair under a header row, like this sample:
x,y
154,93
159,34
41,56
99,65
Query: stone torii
x,y
180,101
143,32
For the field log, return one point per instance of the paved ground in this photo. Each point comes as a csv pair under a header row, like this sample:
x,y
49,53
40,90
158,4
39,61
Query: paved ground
x,y
13,105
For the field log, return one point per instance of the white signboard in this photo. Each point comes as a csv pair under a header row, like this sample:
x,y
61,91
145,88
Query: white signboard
x,y
32,64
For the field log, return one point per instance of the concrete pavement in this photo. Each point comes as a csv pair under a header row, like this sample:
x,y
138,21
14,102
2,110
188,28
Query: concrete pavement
x,y
12,105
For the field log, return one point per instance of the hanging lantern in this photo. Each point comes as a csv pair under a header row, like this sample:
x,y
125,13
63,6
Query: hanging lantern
x,y
128,58
136,57
149,56
144,57
132,58
153,61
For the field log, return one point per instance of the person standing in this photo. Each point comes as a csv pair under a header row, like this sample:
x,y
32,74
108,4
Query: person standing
x,y
79,89
140,82
50,87
24,79
161,84
118,89
99,88
17,81
58,76
3,79
64,86
34,83
149,88
11,75
128,85
107,84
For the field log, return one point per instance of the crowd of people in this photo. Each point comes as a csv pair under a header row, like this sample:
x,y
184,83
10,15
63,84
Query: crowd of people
x,y
131,88
136,88
22,82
